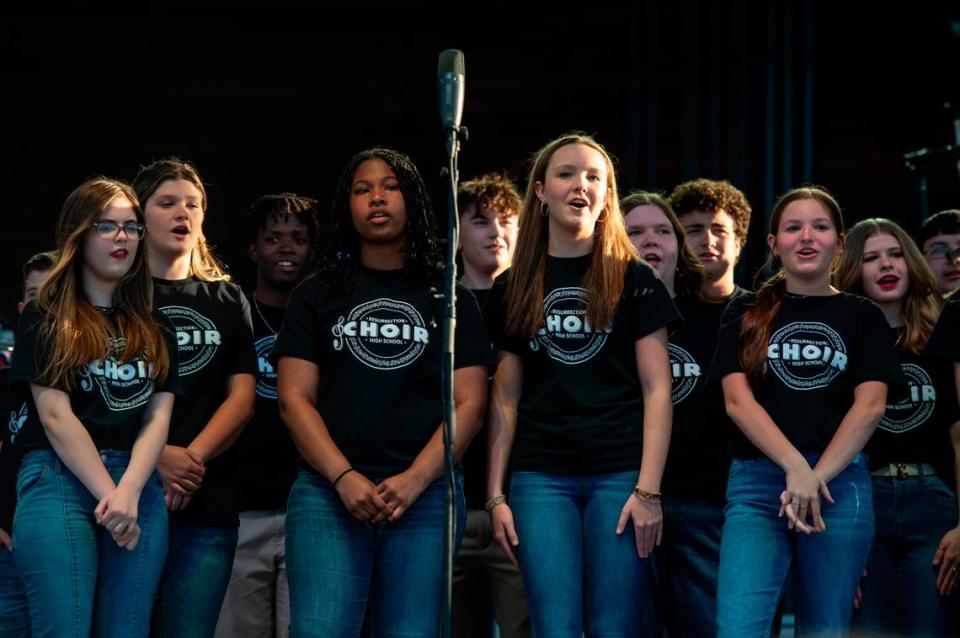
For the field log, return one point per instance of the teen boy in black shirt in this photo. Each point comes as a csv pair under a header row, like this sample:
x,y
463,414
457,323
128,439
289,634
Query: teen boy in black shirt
x,y
282,233
486,584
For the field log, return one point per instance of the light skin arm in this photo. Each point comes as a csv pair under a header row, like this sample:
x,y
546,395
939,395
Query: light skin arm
x,y
803,485
297,384
947,555
183,467
70,440
653,368
117,511
502,425
399,492
226,424
869,404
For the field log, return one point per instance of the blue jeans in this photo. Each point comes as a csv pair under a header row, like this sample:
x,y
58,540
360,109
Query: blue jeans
x,y
14,613
338,566
581,578
900,591
757,551
688,561
78,580
195,580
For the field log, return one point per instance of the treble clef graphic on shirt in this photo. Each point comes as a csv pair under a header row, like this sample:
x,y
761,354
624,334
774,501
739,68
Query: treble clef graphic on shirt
x,y
17,419
86,383
337,331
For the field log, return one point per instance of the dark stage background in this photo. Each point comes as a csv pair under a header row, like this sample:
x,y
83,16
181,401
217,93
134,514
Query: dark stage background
x,y
270,96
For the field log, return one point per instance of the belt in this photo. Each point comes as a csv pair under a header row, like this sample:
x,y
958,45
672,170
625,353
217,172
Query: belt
x,y
903,470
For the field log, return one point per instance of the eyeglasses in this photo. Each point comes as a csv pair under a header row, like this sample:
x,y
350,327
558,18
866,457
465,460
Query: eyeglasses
x,y
111,230
941,251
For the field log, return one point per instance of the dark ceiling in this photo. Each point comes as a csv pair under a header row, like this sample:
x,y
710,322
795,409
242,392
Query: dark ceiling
x,y
271,96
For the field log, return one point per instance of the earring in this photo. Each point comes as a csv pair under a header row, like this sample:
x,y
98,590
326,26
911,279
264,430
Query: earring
x,y
602,217
544,210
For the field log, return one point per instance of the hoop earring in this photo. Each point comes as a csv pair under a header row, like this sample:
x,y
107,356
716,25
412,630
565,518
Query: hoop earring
x,y
602,217
544,209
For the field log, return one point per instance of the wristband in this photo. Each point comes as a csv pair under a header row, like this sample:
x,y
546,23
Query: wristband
x,y
342,474
644,495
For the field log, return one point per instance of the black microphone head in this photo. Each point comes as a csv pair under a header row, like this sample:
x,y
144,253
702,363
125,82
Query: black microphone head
x,y
451,61
450,80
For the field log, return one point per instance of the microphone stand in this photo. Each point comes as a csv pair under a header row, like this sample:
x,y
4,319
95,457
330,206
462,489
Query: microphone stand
x,y
914,161
453,137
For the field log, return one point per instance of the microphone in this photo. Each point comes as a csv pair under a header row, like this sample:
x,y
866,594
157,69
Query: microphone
x,y
451,80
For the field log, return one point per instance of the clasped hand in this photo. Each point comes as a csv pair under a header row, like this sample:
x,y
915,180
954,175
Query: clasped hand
x,y
800,502
117,513
388,500
182,471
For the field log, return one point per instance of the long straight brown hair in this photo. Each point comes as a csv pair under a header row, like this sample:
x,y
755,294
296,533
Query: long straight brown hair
x,y
922,303
78,332
757,321
203,263
612,250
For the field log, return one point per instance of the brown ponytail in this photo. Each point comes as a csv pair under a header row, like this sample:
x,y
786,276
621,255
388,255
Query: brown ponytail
x,y
758,320
756,325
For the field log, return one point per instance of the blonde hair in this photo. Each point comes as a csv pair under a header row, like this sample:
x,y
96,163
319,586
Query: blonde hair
x,y
203,263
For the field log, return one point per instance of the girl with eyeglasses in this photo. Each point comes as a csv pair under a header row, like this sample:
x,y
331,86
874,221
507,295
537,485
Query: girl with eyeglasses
x,y
100,374
909,589
804,369
217,371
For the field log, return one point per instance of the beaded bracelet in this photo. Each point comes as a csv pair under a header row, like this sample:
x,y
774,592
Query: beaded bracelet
x,y
493,502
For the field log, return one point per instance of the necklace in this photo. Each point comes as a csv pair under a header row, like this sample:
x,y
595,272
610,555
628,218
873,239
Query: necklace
x,y
262,318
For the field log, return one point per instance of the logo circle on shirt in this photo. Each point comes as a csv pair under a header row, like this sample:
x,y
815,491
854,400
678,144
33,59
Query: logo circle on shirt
x,y
123,386
384,333
916,407
806,355
566,333
685,371
197,338
266,374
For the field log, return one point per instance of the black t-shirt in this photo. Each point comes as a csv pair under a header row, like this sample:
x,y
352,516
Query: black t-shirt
x,y
698,461
378,350
820,349
13,415
915,427
581,407
215,337
944,342
109,397
474,461
264,458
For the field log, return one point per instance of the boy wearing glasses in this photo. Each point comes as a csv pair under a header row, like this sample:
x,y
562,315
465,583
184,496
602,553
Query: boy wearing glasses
x,y
939,238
